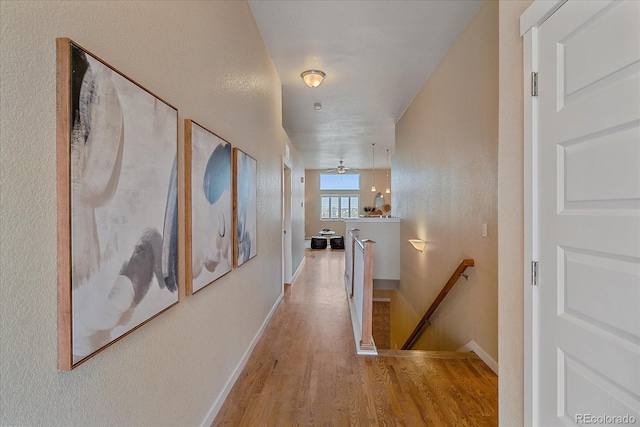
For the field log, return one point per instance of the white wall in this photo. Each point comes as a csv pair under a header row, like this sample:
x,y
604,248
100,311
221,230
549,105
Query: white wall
x,y
445,186
207,59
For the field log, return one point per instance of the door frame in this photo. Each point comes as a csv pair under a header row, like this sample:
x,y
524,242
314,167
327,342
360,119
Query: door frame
x,y
287,242
530,21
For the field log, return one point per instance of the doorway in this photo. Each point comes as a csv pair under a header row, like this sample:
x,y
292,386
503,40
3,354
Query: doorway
x,y
287,269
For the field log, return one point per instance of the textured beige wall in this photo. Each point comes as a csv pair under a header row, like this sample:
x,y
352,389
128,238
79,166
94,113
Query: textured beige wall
x,y
313,223
445,187
206,58
510,214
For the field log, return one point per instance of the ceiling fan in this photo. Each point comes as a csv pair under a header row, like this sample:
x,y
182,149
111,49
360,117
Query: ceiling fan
x,y
341,168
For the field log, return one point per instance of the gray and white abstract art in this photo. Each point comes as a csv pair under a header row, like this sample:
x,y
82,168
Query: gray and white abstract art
x,y
246,228
124,253
211,250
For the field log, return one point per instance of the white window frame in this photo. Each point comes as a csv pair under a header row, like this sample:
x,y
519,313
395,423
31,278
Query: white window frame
x,y
331,197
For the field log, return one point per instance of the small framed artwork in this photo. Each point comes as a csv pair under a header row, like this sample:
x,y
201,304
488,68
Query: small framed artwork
x,y
208,208
245,209
117,204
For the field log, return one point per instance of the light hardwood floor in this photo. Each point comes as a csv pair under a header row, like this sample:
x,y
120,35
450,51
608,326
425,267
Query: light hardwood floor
x,y
304,370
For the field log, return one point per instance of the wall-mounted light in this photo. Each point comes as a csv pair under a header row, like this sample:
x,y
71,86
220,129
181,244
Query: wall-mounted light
x,y
373,167
313,78
418,244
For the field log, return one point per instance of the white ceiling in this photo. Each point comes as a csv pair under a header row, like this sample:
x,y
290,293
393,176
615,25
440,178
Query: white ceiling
x,y
376,54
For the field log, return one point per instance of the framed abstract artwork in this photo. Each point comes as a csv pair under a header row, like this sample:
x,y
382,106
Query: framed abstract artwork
x,y
245,210
208,208
117,204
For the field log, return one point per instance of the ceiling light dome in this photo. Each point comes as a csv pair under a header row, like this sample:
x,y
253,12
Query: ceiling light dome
x,y
313,78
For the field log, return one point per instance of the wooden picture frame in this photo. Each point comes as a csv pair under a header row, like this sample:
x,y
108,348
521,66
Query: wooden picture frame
x,y
209,234
117,204
245,211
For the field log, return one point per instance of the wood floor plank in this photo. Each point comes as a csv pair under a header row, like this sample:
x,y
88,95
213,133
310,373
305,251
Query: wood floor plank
x,y
304,370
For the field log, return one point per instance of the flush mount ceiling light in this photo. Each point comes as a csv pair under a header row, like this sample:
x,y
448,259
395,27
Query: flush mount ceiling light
x,y
313,78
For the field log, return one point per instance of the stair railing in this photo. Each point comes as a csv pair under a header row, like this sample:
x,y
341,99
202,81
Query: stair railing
x,y
436,303
359,271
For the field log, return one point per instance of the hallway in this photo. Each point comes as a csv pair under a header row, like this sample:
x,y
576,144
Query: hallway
x,y
304,370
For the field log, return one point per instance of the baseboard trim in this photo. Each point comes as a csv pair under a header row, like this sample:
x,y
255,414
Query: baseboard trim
x,y
473,346
295,273
213,412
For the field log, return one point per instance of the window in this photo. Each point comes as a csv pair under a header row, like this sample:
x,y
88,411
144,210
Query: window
x,y
332,182
338,207
335,200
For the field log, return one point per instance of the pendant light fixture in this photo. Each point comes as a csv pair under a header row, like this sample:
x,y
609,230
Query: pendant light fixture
x,y
373,167
388,190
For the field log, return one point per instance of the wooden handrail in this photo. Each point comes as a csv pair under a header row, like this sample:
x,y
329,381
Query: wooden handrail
x,y
443,293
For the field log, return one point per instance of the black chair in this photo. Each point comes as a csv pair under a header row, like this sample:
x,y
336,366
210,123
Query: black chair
x,y
318,242
337,242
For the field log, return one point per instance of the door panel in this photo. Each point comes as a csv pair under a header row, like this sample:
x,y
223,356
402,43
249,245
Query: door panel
x,y
588,212
602,188
615,47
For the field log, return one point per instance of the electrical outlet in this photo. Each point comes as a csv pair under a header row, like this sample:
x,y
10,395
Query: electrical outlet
x,y
484,230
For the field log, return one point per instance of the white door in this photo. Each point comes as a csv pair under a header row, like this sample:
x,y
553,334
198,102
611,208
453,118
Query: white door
x,y
587,219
